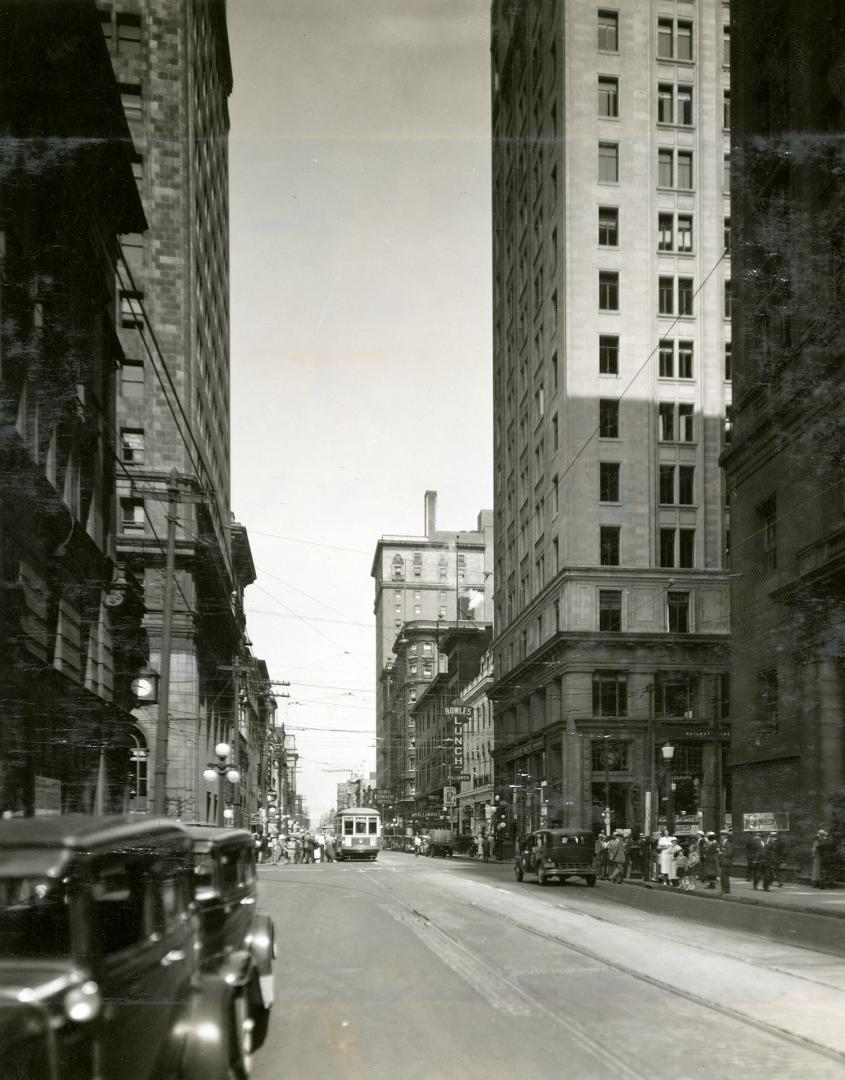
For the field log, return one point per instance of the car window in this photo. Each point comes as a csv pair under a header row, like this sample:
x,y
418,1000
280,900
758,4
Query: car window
x,y
34,917
360,824
203,873
247,866
175,896
229,870
372,825
348,826
122,906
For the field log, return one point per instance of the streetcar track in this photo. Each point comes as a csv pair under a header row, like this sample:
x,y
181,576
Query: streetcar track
x,y
589,1042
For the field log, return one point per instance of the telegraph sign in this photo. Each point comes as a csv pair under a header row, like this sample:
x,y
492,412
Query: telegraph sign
x,y
459,777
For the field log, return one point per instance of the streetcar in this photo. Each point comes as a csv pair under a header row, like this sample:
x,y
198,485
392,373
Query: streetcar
x,y
357,833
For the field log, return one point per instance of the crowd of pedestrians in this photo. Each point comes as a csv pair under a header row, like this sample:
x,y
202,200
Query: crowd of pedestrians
x,y
306,847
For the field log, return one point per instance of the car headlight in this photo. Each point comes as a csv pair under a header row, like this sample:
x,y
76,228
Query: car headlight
x,y
83,1002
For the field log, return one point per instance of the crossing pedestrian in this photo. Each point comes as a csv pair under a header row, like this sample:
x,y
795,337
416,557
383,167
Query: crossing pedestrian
x,y
725,860
616,857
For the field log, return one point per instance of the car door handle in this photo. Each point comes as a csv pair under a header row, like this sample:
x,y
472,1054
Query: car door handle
x,y
175,956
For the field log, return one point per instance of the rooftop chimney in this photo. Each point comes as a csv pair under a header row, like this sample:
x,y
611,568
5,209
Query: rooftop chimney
x,y
430,513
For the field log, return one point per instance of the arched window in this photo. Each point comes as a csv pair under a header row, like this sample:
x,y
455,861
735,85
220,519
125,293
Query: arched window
x,y
398,567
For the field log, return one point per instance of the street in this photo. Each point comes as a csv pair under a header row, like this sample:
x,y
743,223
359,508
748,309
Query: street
x,y
433,968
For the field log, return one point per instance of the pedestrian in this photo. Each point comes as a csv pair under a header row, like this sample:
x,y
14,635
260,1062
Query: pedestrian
x,y
709,854
629,851
329,849
297,849
725,858
751,845
775,848
824,854
616,857
317,850
760,869
681,868
664,857
601,855
417,844
485,847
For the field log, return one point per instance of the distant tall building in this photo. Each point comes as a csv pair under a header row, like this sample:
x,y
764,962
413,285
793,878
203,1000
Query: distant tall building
x,y
785,460
171,58
611,339
422,584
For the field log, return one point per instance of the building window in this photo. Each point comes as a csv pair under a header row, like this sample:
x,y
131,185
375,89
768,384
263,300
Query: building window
x,y
131,310
686,485
556,557
667,484
684,232
728,306
608,96
555,495
132,516
610,694
683,40
608,31
726,109
608,418
665,168
667,548
609,481
684,105
608,290
685,366
675,695
128,33
132,446
726,174
686,429
728,359
130,96
677,604
132,378
665,97
555,433
726,46
398,567
413,668
608,226
768,514
610,610
685,170
685,296
608,163
666,295
665,232
608,355
609,545
686,548
665,39
666,412
767,702
667,359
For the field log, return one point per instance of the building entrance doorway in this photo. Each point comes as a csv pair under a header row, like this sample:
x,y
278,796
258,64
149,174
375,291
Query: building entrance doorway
x,y
620,813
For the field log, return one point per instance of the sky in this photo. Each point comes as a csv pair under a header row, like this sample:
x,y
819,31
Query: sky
x,y
361,327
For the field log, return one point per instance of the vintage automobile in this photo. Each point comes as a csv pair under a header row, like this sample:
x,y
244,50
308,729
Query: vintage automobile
x,y
100,956
556,853
238,941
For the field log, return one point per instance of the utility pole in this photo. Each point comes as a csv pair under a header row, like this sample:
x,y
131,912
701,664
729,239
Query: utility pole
x,y
717,748
163,721
650,771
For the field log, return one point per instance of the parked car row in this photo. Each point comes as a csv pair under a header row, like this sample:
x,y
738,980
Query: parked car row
x,y
130,949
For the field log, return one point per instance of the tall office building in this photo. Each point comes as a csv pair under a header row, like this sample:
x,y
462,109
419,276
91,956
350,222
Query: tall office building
x,y
423,585
171,58
611,335
784,464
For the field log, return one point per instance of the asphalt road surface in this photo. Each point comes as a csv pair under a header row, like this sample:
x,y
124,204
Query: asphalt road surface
x,y
422,969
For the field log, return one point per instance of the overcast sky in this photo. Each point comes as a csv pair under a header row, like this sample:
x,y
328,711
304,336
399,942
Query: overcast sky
x,y
361,329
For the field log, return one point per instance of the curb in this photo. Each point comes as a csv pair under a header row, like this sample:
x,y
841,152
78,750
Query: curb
x,y
748,901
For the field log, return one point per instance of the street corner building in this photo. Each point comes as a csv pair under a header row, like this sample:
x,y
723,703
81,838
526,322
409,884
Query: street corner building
x,y
784,462
612,346
69,621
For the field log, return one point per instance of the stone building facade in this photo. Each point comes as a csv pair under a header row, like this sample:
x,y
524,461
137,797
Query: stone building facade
x,y
784,464
611,217
70,626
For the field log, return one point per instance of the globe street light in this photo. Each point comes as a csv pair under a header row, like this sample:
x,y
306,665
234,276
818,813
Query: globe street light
x,y
221,770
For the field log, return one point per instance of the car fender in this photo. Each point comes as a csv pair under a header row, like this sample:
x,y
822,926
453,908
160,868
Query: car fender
x,y
236,969
205,1055
263,944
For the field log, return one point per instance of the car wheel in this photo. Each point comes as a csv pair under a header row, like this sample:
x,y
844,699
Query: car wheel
x,y
240,1038
591,880
541,876
517,872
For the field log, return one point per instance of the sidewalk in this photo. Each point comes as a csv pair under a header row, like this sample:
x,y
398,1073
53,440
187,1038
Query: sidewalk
x,y
791,897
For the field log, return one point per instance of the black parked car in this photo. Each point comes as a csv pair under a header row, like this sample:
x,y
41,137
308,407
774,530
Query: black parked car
x,y
238,941
100,956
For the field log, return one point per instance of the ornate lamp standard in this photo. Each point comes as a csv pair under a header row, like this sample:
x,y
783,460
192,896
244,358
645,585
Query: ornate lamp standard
x,y
668,751
221,770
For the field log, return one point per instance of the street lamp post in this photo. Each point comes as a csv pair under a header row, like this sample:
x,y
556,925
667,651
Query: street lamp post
x,y
221,770
668,751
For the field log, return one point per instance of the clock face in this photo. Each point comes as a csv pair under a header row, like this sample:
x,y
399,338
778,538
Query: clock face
x,y
143,688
